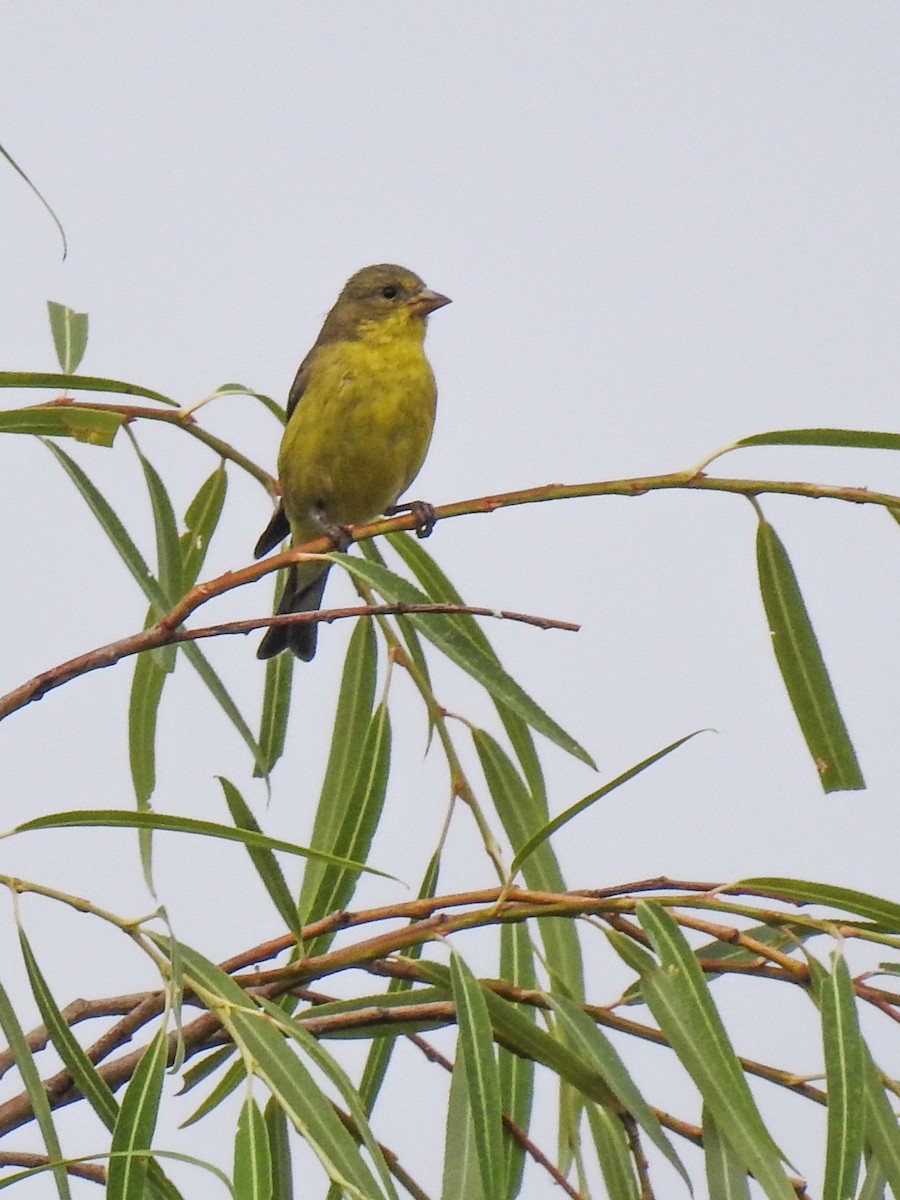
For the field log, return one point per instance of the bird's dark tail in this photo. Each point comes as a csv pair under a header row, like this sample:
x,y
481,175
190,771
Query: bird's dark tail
x,y
301,594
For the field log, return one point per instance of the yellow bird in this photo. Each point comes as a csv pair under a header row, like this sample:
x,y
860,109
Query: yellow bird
x,y
359,421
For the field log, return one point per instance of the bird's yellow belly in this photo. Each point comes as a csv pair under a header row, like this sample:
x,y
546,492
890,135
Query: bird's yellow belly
x,y
358,438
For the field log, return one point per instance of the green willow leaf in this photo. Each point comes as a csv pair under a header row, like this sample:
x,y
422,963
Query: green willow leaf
x,y
84,1074
884,913
676,993
361,813
134,561
462,1176
522,816
351,725
237,389
844,1072
252,1157
516,1074
523,1036
112,818
725,1174
204,1067
595,1048
544,834
56,221
476,1045
82,383
40,1105
289,1081
613,1154
440,590
280,1148
93,426
875,1181
336,1074
227,1083
276,709
446,633
136,1122
264,861
882,1130
803,668
200,523
147,685
70,335
862,439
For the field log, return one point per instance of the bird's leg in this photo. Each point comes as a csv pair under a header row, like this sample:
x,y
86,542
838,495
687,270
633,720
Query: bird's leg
x,y
422,511
339,535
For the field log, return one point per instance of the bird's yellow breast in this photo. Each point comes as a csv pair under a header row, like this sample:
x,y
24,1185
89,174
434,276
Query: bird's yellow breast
x,y
361,429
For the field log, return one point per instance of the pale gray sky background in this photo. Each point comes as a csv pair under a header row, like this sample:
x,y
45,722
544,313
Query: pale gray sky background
x,y
663,226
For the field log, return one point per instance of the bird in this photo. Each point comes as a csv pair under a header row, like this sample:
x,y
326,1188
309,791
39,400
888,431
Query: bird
x,y
359,421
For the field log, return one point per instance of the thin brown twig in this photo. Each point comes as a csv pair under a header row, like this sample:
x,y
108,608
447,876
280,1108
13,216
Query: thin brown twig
x,y
91,1171
160,634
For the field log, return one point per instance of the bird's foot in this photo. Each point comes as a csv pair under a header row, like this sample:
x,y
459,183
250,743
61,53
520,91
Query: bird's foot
x,y
423,514
340,535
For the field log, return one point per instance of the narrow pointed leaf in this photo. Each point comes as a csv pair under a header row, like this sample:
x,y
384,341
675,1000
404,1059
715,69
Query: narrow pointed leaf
x,y
111,818
351,725
264,860
252,1157
82,383
360,812
381,1049
522,816
135,1124
204,1067
845,1073
523,1036
229,1081
595,1048
679,999
875,1181
28,1071
336,1074
276,709
882,1130
294,1087
613,1154
70,335
726,1177
93,426
803,668
238,389
84,1074
544,834
862,439
439,589
462,1176
280,1148
450,639
56,221
143,710
885,913
134,561
201,520
475,1043
516,1074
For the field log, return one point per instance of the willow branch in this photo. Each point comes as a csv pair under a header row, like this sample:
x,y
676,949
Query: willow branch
x,y
166,631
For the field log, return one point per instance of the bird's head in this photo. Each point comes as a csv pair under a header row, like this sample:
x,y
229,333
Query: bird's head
x,y
383,296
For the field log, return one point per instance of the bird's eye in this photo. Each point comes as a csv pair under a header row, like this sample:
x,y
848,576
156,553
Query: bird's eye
x,y
389,291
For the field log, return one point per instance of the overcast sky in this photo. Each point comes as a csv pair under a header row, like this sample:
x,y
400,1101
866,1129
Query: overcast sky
x,y
663,226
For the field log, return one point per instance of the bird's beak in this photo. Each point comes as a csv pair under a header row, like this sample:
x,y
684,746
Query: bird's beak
x,y
426,302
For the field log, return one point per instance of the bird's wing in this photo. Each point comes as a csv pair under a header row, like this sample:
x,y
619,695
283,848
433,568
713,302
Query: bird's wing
x,y
279,528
